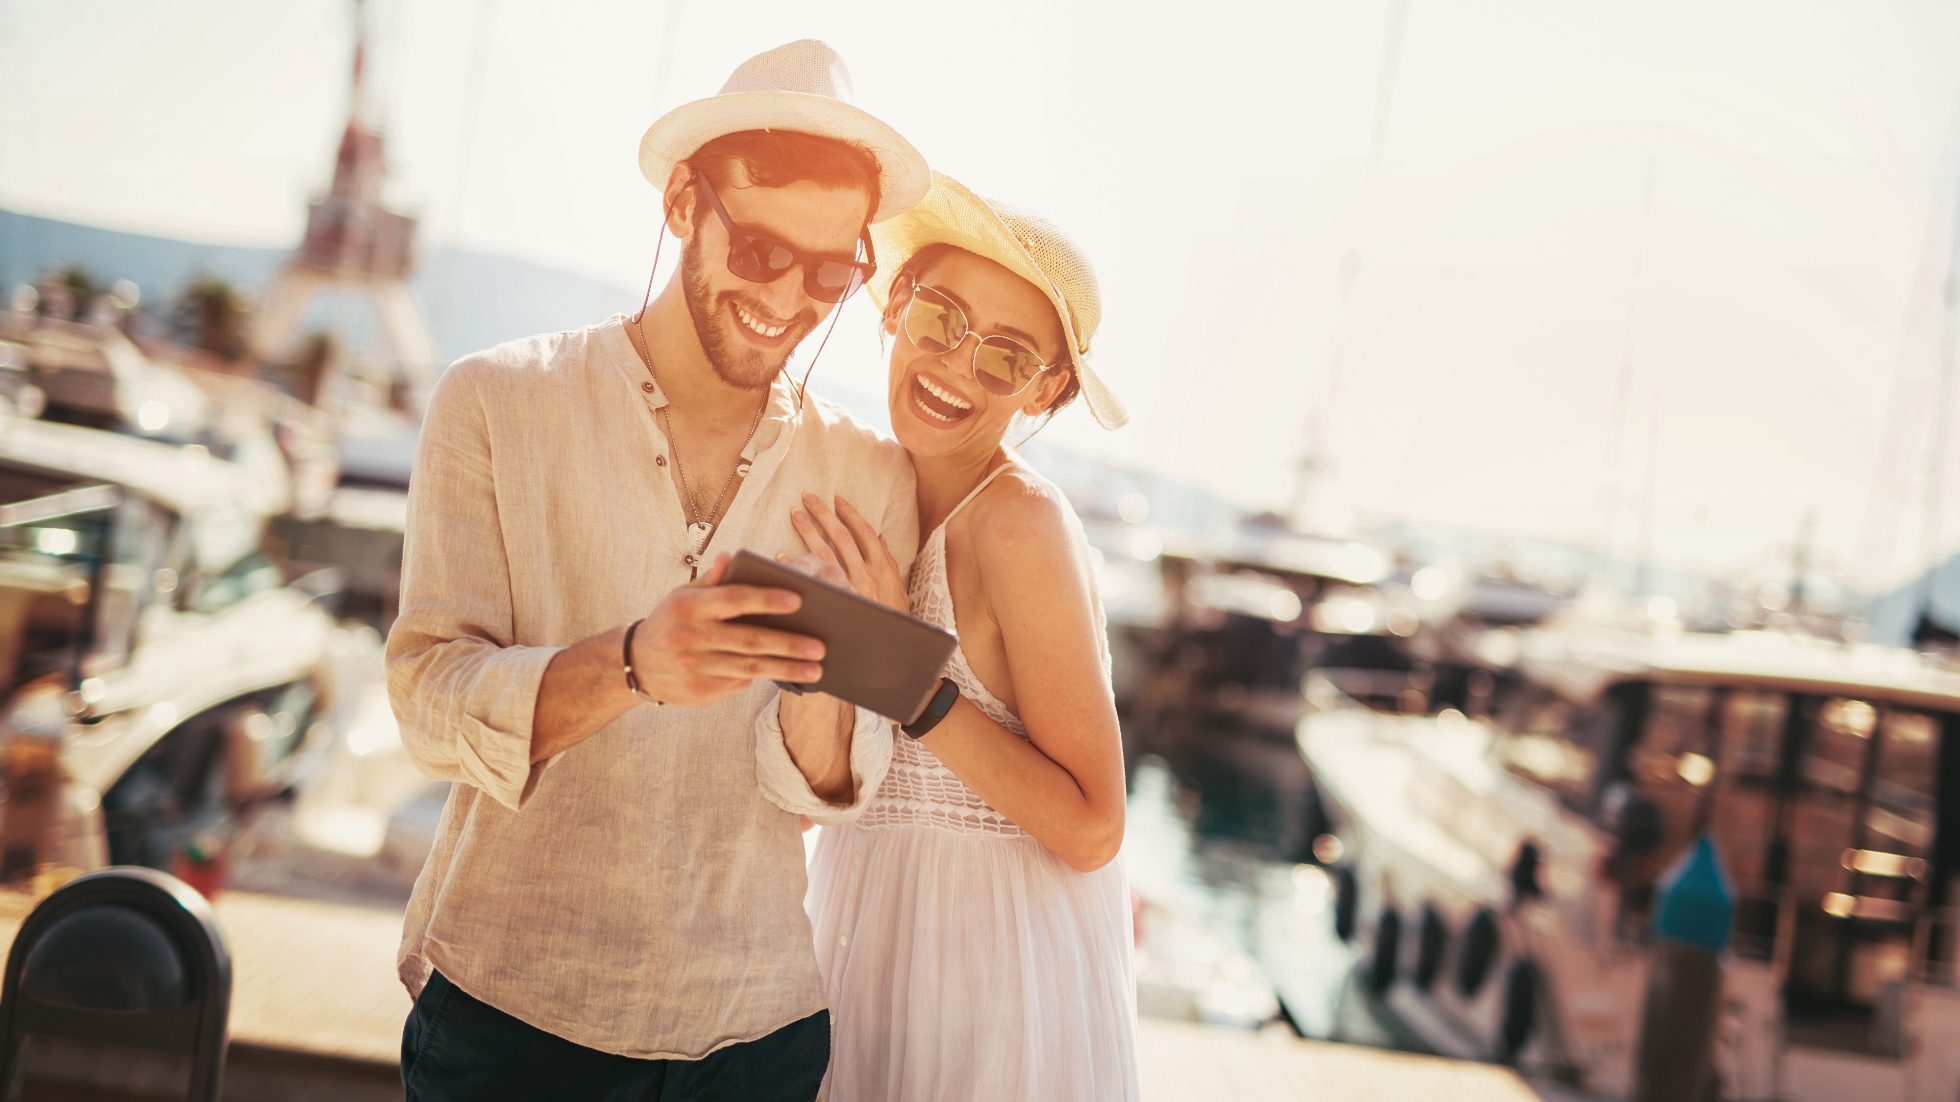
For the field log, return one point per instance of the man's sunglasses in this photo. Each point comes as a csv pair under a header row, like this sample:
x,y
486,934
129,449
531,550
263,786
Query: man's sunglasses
x,y
1001,365
760,258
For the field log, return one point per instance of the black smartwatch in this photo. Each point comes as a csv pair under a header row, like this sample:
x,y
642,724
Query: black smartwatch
x,y
936,709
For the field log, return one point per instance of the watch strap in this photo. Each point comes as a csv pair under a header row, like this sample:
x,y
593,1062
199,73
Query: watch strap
x,y
936,710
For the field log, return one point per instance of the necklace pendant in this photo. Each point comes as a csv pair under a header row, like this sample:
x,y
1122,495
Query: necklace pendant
x,y
698,534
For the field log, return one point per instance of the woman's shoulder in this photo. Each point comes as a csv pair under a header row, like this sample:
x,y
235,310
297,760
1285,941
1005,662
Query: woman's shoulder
x,y
1023,520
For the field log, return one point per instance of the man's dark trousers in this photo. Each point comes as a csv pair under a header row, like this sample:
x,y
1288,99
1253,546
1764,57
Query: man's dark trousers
x,y
456,1048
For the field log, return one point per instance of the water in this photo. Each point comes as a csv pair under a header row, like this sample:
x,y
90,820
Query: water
x,y
1212,858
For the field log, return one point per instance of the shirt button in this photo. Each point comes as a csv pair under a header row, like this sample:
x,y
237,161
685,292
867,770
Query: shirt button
x,y
843,940
660,461
648,387
857,858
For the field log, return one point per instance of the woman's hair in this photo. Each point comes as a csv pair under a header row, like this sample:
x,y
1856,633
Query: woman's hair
x,y
1071,385
777,158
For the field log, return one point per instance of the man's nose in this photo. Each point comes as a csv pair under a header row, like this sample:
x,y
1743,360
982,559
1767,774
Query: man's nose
x,y
784,296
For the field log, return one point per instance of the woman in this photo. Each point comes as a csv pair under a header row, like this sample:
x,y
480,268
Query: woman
x,y
973,924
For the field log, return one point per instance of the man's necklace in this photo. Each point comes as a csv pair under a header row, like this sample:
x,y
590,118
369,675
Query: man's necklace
x,y
700,529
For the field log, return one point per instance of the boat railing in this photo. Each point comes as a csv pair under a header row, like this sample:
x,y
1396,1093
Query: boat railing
x,y
324,585
1935,957
1331,690
1766,930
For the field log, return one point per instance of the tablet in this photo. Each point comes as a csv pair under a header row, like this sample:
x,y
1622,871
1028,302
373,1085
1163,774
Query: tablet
x,y
875,656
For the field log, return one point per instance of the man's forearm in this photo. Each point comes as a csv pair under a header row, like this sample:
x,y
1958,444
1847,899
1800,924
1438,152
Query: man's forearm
x,y
817,734
584,688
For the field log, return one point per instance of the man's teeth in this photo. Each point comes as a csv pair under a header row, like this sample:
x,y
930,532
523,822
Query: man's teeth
x,y
755,324
944,395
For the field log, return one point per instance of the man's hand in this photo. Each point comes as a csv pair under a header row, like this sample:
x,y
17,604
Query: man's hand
x,y
687,653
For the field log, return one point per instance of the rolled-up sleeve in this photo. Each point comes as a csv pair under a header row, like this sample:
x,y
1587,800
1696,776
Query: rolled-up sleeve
x,y
463,692
789,789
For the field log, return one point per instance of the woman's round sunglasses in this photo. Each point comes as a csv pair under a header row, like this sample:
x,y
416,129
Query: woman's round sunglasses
x,y
936,324
760,258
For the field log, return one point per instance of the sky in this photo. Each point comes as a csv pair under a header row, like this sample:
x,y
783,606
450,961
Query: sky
x,y
1658,275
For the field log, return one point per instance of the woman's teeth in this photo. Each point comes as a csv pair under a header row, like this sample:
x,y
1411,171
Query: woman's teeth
x,y
944,395
755,324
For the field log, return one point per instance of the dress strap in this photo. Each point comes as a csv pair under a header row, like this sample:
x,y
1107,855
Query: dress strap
x,y
975,492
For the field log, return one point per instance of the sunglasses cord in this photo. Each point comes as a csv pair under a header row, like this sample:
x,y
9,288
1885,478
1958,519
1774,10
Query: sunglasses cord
x,y
831,328
659,240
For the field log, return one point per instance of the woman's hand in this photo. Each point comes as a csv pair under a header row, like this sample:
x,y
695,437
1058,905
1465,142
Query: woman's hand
x,y
845,540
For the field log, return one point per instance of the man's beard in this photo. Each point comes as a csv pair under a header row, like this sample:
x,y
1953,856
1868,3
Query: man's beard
x,y
740,367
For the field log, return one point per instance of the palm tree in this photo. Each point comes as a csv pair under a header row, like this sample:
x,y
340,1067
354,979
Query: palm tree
x,y
213,315
67,292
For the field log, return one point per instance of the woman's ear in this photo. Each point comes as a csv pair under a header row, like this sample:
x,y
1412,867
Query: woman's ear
x,y
892,307
1042,398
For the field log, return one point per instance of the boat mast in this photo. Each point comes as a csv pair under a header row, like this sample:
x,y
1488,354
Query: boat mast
x,y
1612,486
1942,412
1314,463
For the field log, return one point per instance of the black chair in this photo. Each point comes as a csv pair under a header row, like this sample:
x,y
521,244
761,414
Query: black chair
x,y
125,957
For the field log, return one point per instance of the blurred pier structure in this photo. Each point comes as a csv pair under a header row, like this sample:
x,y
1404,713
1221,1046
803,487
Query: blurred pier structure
x,y
317,1014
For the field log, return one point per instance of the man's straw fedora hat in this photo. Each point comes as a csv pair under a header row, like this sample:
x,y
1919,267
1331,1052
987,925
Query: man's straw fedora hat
x,y
803,86
1024,243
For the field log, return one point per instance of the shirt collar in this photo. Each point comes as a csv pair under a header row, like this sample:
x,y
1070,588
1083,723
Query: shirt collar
x,y
778,417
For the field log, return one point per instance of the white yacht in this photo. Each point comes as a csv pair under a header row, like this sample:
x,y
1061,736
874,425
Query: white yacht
x,y
1495,877
159,675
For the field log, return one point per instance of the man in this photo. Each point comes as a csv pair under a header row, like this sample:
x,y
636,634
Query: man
x,y
613,908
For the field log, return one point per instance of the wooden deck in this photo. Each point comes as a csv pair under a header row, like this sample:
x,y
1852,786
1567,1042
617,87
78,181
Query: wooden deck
x,y
316,1014
1179,1061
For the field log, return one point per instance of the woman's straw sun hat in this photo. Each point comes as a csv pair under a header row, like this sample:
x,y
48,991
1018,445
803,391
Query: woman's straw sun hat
x,y
1024,243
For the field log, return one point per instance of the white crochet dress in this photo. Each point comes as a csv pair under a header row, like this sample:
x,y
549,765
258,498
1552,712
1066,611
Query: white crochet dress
x,y
962,959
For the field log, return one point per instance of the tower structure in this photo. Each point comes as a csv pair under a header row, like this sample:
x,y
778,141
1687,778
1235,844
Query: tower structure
x,y
355,243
